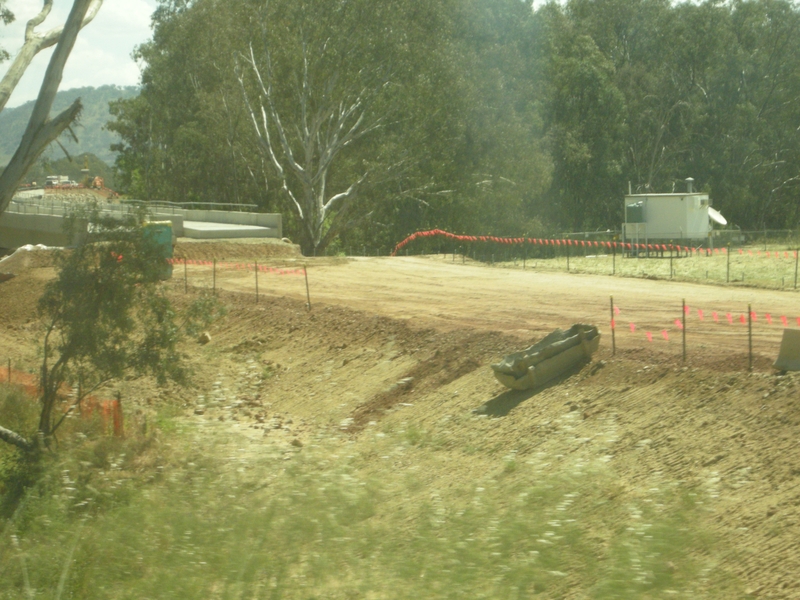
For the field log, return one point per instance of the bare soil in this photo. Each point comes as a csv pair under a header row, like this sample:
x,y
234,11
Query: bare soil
x,y
248,249
410,341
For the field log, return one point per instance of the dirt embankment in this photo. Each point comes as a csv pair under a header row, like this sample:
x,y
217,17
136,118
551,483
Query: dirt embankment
x,y
250,250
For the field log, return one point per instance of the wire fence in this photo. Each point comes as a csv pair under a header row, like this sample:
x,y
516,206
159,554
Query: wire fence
x,y
773,265
244,276
109,412
697,333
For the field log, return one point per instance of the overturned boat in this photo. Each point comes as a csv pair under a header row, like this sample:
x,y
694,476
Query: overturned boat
x,y
554,355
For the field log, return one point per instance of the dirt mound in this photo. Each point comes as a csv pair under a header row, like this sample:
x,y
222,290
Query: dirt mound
x,y
19,295
245,249
28,257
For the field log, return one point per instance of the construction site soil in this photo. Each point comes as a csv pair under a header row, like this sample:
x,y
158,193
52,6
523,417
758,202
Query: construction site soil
x,y
410,340
248,248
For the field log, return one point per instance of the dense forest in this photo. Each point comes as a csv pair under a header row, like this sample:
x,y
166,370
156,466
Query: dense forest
x,y
362,121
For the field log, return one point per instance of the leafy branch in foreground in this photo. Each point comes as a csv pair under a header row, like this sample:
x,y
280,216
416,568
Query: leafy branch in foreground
x,y
105,316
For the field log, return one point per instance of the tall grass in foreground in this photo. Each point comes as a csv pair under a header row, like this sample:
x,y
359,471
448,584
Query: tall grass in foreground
x,y
194,524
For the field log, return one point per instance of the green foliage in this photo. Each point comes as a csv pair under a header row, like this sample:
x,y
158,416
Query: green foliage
x,y
105,313
450,149
687,89
6,16
495,118
18,470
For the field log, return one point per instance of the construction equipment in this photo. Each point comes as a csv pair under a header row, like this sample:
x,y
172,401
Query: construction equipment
x,y
161,233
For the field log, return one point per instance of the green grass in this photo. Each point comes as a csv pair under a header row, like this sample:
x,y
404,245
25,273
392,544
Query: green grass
x,y
745,269
19,414
174,517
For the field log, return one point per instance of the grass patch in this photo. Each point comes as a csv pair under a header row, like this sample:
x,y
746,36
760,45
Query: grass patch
x,y
317,523
752,268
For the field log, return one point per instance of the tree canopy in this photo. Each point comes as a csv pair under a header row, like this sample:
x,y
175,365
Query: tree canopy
x,y
483,115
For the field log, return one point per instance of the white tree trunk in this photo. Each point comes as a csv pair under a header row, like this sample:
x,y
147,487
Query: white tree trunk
x,y
326,126
42,130
35,43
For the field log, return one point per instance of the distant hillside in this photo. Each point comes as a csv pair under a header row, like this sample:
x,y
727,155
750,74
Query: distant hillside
x,y
93,139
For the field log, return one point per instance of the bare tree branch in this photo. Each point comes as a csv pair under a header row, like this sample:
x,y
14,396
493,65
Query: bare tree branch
x,y
35,43
15,439
304,153
41,130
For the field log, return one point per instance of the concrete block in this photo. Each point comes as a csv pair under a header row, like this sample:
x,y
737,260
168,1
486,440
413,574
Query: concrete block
x,y
789,354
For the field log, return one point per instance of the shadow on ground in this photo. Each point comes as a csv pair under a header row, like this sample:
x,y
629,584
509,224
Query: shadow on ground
x,y
504,403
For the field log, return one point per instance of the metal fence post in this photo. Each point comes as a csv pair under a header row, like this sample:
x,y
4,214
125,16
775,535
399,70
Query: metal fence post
x,y
796,258
683,328
728,272
749,337
308,293
613,327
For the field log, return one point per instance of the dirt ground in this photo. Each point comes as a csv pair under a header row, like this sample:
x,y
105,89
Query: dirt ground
x,y
438,293
248,248
277,373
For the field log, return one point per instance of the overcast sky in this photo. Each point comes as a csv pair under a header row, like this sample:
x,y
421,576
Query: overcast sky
x,y
102,53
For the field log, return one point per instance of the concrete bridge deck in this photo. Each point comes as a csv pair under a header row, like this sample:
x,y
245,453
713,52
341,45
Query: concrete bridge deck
x,y
33,218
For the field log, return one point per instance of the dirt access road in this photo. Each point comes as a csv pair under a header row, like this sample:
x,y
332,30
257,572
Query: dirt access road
x,y
445,295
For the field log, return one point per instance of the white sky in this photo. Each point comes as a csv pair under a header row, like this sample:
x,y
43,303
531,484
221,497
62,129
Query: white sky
x,y
102,53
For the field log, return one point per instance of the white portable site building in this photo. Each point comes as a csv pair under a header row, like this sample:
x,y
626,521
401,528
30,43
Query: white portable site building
x,y
684,216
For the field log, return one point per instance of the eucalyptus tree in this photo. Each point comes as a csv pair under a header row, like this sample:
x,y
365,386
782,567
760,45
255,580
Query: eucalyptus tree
x,y
41,130
312,109
583,113
361,121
